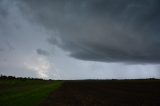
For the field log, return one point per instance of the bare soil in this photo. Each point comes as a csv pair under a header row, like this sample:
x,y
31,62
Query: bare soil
x,y
106,93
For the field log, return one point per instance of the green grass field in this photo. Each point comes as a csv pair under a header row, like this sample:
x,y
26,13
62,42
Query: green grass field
x,y
25,92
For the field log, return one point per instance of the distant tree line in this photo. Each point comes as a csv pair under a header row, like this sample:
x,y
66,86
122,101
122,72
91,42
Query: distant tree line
x,y
123,79
4,77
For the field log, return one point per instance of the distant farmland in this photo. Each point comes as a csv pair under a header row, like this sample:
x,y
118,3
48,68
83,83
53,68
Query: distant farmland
x,y
106,93
25,92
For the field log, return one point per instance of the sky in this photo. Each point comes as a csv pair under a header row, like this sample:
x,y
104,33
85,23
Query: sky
x,y
80,39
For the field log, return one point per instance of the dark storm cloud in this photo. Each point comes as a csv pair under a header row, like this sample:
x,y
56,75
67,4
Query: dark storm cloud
x,y
102,30
3,12
42,52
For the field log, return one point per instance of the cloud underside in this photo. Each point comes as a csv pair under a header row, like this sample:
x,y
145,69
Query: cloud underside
x,y
42,52
101,30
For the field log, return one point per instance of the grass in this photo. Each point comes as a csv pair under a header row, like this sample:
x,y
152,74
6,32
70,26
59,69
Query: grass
x,y
25,92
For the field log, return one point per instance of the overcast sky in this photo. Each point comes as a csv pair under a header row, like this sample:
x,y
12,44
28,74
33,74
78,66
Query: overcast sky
x,y
80,39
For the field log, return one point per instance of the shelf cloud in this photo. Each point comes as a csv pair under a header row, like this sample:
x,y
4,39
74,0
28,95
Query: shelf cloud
x,y
102,30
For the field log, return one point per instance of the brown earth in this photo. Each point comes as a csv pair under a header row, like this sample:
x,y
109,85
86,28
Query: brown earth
x,y
106,93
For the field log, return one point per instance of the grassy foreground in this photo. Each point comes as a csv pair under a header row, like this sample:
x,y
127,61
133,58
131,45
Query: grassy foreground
x,y
25,92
